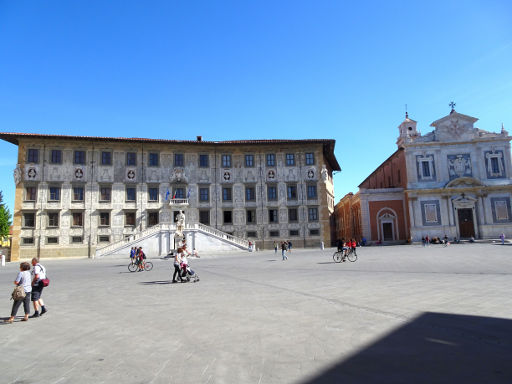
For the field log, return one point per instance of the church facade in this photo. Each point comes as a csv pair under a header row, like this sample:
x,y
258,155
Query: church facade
x,y
76,194
454,181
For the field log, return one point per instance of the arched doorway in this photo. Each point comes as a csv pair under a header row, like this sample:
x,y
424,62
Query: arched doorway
x,y
465,218
387,225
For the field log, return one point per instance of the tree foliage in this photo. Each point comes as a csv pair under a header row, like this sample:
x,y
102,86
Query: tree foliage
x,y
5,218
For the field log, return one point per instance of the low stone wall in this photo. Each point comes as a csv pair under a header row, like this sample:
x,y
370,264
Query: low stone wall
x,y
6,252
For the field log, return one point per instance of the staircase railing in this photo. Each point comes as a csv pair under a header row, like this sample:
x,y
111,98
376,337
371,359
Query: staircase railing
x,y
136,236
240,242
223,235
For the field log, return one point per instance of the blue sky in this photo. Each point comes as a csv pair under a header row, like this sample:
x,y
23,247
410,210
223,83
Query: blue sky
x,y
252,70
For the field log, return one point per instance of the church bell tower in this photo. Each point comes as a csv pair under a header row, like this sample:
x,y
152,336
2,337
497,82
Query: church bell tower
x,y
408,131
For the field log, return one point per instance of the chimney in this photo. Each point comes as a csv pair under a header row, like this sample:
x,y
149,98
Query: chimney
x,y
199,138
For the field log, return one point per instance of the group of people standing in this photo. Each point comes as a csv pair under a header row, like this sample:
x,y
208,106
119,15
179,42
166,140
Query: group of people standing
x,y
137,257
33,286
286,246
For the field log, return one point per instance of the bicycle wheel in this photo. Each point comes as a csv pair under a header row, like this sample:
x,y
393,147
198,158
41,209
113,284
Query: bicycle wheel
x,y
352,256
337,257
132,267
148,266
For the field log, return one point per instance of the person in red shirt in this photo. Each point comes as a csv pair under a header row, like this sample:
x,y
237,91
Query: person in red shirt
x,y
353,245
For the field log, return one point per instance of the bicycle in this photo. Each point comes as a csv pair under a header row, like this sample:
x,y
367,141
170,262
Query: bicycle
x,y
145,266
340,256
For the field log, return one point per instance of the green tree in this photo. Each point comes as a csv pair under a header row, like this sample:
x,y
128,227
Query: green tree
x,y
5,218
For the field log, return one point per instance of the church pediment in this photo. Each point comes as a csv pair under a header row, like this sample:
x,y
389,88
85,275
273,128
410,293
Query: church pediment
x,y
455,127
464,182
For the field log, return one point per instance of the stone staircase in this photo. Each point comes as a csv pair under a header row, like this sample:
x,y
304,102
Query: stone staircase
x,y
158,240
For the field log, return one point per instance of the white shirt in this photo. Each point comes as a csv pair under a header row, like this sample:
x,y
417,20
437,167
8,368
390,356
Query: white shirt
x,y
39,270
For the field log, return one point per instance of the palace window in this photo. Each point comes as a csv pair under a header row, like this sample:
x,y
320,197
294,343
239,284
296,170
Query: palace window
x,y
226,194
249,161
228,217
271,160
153,218
79,157
313,214
273,216
29,220
103,239
252,234
294,232
290,159
310,158
204,194
27,241
153,159
76,239
251,216
203,161
56,156
78,193
131,194
52,240
53,219
104,219
30,193
129,219
226,161
131,158
153,194
106,158
105,193
273,233
179,160
78,219
33,155
311,192
204,217
179,193
250,194
54,194
426,170
292,215
291,192
272,192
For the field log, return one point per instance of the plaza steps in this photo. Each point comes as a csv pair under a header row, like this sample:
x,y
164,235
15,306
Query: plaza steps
x,y
158,240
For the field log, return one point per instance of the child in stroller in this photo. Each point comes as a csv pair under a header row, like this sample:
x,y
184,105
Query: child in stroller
x,y
187,274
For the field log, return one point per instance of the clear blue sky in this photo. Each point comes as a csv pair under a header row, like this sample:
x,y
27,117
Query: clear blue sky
x,y
250,70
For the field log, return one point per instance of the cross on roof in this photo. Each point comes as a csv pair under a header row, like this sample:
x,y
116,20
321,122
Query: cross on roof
x,y
452,104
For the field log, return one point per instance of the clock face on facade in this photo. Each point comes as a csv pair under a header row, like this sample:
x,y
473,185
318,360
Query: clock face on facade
x,y
311,173
32,173
227,176
79,173
130,175
271,174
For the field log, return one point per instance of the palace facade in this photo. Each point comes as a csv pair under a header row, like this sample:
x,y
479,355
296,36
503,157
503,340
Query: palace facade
x,y
454,181
76,194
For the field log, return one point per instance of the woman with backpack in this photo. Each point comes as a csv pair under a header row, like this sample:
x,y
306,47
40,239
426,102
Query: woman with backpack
x,y
23,279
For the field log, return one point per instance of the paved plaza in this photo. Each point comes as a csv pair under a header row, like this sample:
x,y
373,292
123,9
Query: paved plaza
x,y
399,314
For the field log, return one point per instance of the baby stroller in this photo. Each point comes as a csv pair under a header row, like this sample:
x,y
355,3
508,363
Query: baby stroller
x,y
188,275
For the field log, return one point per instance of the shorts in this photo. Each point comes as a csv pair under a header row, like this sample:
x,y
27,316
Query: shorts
x,y
37,290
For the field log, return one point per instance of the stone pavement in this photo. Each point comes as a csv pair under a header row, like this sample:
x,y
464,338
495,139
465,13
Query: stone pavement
x,y
400,314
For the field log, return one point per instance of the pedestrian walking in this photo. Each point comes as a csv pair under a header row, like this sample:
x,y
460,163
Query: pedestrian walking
x,y
289,246
283,250
23,279
177,265
275,247
38,274
502,237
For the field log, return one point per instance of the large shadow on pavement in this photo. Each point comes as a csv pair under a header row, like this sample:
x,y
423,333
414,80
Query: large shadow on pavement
x,y
433,348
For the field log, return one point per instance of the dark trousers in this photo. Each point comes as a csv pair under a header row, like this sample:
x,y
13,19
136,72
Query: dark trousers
x,y
177,271
17,303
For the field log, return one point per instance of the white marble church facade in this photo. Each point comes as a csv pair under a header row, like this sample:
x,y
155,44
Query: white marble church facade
x,y
459,179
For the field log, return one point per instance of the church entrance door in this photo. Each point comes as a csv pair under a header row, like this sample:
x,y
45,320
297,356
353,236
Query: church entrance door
x,y
466,226
387,231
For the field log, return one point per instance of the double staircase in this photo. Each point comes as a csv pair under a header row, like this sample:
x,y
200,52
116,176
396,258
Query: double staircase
x,y
158,239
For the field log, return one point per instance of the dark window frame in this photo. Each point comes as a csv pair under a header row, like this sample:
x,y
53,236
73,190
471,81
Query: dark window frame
x,y
131,159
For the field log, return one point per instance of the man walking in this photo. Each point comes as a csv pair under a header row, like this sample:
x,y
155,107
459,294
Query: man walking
x,y
283,250
38,273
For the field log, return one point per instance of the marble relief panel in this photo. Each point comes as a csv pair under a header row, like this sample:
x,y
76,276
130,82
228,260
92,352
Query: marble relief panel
x,y
459,165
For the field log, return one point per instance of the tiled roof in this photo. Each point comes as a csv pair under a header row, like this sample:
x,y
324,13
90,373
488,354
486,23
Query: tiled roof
x,y
13,137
